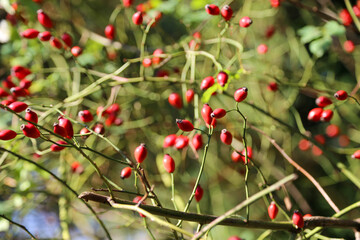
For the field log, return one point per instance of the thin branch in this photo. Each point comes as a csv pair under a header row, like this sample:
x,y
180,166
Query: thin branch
x,y
19,225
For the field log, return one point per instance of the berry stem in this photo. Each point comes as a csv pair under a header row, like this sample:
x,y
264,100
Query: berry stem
x,y
142,46
173,191
114,14
219,39
352,97
148,229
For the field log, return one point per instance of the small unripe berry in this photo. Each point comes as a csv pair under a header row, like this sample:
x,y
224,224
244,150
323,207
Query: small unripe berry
x,y
140,153
137,18
323,101
85,116
226,137
57,148
207,82
7,134
189,95
31,116
169,140
30,130
226,12
245,22
30,33
44,19
212,9
240,94
175,100
273,210
126,172
197,141
315,114
298,220
110,31
199,192
185,125
169,163
341,95
218,113
222,78
18,106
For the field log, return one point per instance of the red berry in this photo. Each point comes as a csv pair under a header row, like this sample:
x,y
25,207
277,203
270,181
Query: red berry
x,y
85,116
269,31
275,3
273,86
345,17
323,101
30,130
356,154
156,60
7,134
77,168
76,51
304,145
218,113
207,82
181,142
197,35
344,140
226,137
245,22
25,84
315,114
234,238
18,106
349,46
6,102
30,33
44,36
3,93
175,100
194,45
67,125
31,116
110,31
341,95
8,83
136,200
320,139
55,42
127,3
140,153
326,115
332,130
113,109
212,9
316,151
356,10
137,18
44,19
169,140
59,130
262,49
298,220
307,215
67,39
189,95
226,12
99,128
20,72
185,125
249,154
19,92
222,78
240,94
235,156
126,172
197,141
147,62
273,210
169,163
199,192
56,147
85,132
205,113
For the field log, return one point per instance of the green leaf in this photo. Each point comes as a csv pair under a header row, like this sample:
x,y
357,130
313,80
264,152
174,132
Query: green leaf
x,y
319,46
207,94
333,28
309,33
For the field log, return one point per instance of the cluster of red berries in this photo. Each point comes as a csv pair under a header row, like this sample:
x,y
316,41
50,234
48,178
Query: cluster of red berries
x,y
45,20
346,17
111,114
155,60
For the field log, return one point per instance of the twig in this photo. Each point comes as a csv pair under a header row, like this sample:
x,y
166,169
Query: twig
x,y
19,225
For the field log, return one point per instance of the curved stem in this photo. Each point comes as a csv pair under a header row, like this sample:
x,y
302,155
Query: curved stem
x,y
19,225
142,46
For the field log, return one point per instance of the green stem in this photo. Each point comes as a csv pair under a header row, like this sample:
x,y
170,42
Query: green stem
x,y
142,46
19,225
114,14
173,191
148,229
353,16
